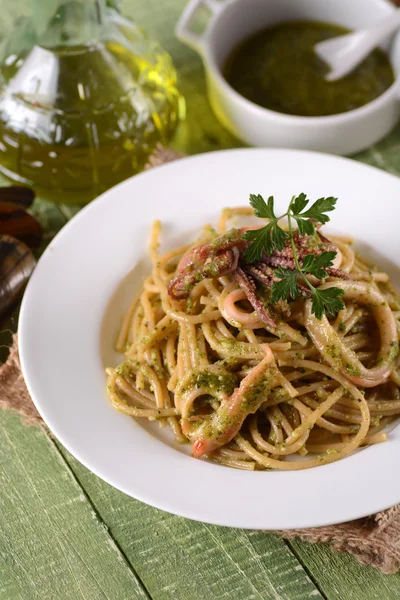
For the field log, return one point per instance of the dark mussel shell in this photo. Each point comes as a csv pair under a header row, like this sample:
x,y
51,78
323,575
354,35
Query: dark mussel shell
x,y
15,221
16,265
17,194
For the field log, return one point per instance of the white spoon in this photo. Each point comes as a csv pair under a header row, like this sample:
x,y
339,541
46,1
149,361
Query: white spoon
x,y
345,52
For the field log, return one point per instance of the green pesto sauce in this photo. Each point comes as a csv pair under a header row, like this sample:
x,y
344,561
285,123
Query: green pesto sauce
x,y
215,383
352,370
233,235
278,69
333,351
218,382
125,369
257,392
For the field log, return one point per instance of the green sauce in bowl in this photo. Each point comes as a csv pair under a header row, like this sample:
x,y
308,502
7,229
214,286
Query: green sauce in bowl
x,y
278,69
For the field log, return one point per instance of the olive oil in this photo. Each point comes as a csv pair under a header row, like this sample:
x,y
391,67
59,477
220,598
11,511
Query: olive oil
x,y
77,119
278,69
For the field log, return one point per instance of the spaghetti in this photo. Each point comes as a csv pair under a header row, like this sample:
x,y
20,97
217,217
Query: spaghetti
x,y
250,384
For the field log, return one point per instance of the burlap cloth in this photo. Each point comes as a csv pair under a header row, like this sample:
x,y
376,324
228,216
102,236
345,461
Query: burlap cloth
x,y
374,540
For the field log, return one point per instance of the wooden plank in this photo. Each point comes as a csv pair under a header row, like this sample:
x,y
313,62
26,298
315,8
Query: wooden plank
x,y
185,560
52,543
342,577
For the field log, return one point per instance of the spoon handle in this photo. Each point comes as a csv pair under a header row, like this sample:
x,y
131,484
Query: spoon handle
x,y
344,53
377,33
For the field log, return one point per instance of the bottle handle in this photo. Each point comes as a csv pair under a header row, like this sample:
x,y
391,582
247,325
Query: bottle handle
x,y
183,29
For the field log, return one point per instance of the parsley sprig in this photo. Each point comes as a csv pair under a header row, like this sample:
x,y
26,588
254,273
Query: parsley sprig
x,y
272,237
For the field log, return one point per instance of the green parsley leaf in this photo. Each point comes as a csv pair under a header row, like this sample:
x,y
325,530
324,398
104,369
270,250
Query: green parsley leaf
x,y
268,238
328,300
260,240
286,287
316,212
315,264
261,208
278,237
298,204
305,226
272,237
319,208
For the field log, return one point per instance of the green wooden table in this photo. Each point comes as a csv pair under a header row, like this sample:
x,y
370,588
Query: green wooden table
x,y
65,534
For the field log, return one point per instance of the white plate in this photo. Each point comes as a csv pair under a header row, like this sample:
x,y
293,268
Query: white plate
x,y
75,300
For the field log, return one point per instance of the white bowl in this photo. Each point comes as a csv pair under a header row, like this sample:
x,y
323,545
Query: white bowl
x,y
231,21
